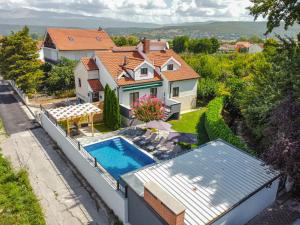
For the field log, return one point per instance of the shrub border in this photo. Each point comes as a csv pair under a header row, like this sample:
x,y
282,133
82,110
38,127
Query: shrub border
x,y
217,128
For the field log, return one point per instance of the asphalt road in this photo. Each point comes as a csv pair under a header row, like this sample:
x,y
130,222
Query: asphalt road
x,y
63,194
14,118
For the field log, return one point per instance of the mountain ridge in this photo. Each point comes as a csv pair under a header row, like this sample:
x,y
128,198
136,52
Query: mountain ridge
x,y
38,21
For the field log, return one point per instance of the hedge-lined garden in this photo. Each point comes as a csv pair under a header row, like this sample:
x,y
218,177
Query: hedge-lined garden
x,y
216,127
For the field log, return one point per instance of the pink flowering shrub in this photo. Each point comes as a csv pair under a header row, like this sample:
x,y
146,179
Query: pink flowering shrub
x,y
148,108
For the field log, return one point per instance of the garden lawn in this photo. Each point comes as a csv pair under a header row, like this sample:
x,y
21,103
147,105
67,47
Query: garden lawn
x,y
102,128
18,203
188,122
192,122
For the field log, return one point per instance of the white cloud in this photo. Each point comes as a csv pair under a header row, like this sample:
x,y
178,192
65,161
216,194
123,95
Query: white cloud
x,y
160,11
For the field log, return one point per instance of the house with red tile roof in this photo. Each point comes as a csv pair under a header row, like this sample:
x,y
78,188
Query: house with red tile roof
x,y
74,43
88,86
150,68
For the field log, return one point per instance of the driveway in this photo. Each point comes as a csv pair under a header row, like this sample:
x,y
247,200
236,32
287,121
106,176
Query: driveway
x,y
65,198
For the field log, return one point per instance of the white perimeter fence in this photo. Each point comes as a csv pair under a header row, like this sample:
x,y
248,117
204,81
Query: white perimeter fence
x,y
21,94
86,166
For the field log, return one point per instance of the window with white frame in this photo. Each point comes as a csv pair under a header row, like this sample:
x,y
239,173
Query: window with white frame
x,y
133,98
153,92
170,67
144,71
175,92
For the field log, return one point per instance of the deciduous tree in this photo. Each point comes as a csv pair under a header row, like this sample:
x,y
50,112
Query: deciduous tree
x,y
61,77
180,43
276,11
19,60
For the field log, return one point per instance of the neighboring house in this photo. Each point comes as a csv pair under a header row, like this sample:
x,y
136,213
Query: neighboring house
x,y
88,86
150,68
74,43
227,48
242,46
214,184
255,48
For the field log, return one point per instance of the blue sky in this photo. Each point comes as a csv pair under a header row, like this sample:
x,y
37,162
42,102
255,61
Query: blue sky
x,y
158,11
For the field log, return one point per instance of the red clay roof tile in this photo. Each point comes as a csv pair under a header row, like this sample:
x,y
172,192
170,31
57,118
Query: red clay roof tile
x,y
95,85
89,63
80,39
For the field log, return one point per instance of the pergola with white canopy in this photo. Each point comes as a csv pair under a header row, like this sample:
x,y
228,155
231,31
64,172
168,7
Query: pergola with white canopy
x,y
75,112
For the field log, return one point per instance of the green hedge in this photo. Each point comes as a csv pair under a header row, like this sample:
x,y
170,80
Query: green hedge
x,y
217,128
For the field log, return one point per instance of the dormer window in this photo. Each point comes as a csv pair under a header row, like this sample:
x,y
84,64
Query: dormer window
x,y
144,71
170,66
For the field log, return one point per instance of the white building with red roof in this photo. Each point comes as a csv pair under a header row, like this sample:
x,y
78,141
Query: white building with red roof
x,y
150,68
74,43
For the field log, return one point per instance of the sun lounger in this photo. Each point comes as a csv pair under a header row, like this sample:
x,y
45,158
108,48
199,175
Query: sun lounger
x,y
152,146
143,137
148,140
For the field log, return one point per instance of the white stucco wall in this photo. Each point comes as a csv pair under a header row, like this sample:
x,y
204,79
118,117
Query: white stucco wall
x,y
55,55
94,74
82,92
50,54
137,74
96,179
251,207
41,55
187,93
255,48
75,55
166,88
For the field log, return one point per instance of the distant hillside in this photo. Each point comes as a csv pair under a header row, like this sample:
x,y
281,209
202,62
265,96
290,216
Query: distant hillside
x,y
221,30
30,17
6,29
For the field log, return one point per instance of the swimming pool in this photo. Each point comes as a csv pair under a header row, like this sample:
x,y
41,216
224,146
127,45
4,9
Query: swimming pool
x,y
117,156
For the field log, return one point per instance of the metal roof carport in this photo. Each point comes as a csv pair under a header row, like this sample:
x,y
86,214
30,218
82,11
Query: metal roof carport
x,y
217,183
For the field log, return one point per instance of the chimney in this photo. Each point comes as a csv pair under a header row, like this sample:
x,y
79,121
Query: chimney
x,y
165,205
146,45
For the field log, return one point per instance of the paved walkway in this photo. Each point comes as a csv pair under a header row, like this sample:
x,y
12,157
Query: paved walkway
x,y
63,198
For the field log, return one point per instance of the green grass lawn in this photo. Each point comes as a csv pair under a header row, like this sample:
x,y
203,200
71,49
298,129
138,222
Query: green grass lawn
x,y
190,123
18,203
102,128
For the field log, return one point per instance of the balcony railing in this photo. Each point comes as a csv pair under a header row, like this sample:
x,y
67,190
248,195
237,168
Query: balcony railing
x,y
126,111
172,106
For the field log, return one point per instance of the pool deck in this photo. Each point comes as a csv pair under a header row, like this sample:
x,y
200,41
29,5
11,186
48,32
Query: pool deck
x,y
128,134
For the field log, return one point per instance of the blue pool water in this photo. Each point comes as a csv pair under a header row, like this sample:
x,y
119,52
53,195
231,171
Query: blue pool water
x,y
118,157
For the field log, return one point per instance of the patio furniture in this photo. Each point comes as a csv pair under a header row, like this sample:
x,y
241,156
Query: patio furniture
x,y
152,146
167,146
148,140
163,155
140,138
